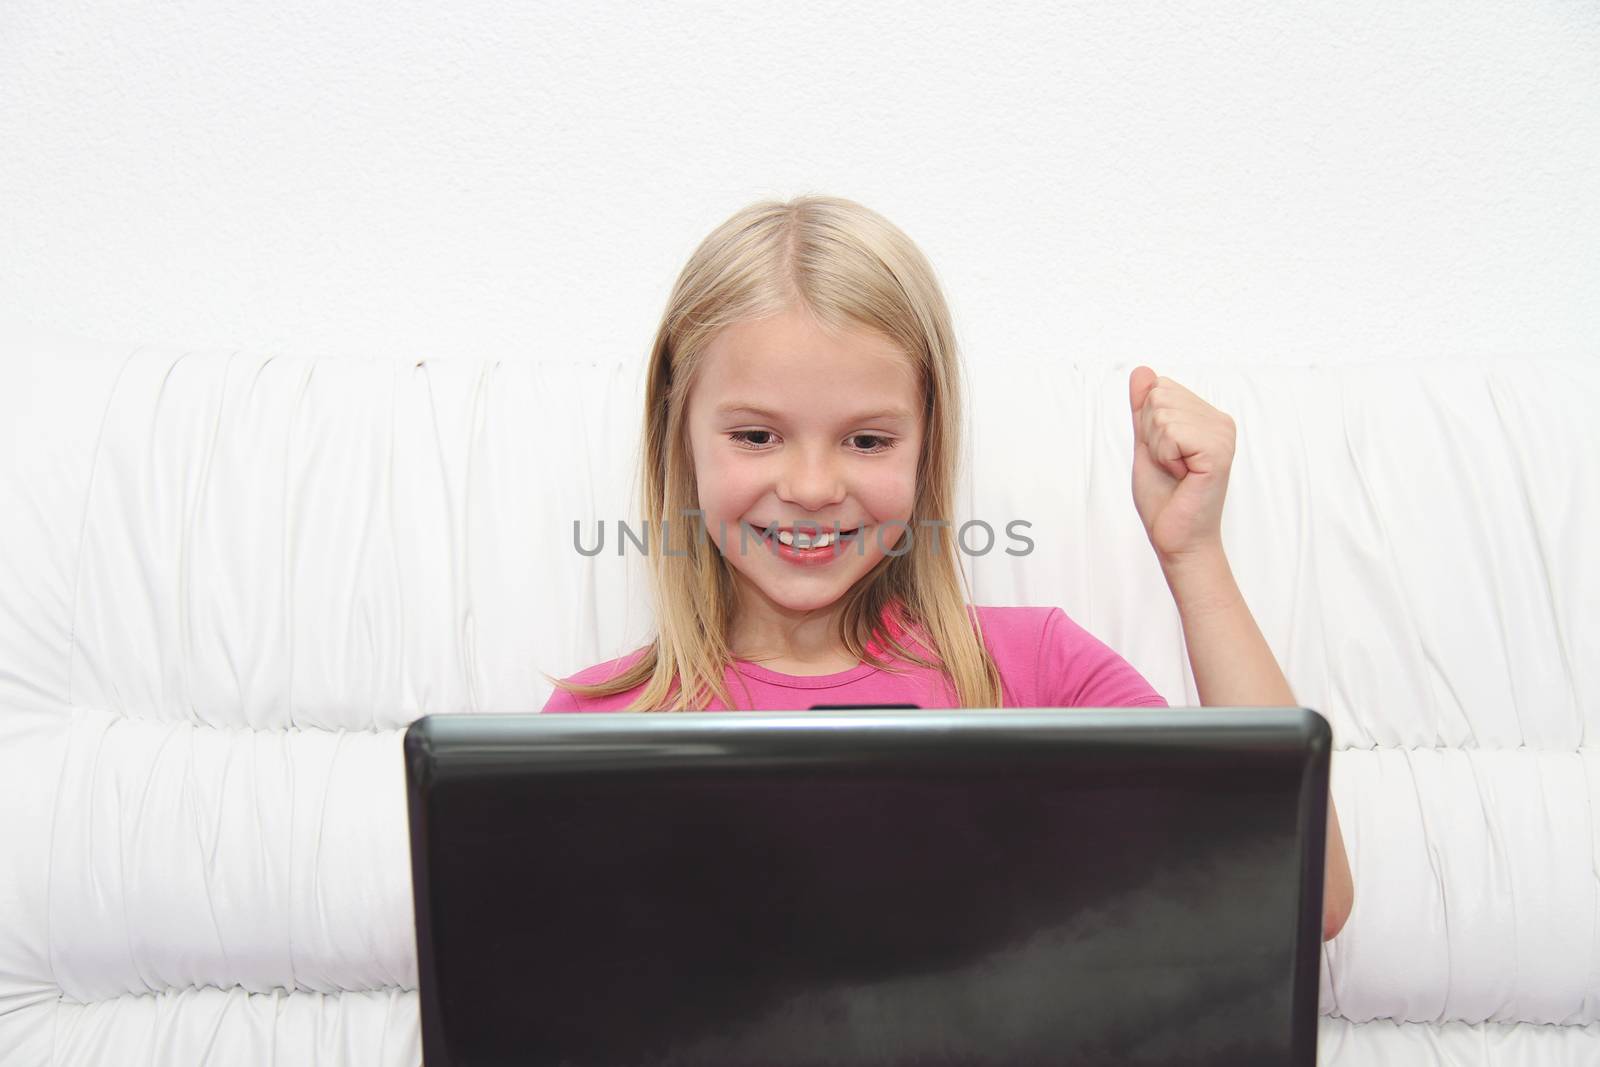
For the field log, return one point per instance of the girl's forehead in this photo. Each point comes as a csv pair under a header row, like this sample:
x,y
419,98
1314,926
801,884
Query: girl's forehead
x,y
776,387
797,335
781,360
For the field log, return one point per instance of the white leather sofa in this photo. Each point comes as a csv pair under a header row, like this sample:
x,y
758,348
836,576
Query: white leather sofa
x,y
228,581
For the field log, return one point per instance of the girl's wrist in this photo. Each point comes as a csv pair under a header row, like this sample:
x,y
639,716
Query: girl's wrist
x,y
1201,580
1206,557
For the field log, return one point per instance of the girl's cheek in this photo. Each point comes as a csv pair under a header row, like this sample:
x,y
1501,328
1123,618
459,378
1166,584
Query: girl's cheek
x,y
726,496
726,482
892,493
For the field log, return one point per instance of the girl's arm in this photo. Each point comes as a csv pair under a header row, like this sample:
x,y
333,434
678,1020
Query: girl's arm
x,y
1183,451
1233,667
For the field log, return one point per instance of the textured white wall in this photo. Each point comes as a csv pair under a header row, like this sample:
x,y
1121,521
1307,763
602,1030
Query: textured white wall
x,y
1259,181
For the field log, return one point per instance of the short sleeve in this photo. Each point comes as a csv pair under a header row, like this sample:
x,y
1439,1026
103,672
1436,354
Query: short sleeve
x,y
561,700
1078,670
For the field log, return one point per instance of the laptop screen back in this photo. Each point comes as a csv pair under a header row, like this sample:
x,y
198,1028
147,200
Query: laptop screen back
x,y
1133,886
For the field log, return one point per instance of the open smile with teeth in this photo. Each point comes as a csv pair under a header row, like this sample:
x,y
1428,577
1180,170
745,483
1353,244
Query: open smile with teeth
x,y
809,539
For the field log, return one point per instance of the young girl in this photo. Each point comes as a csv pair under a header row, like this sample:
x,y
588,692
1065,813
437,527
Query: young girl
x,y
802,416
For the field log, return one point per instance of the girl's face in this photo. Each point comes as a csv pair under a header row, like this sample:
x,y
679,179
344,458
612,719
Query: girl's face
x,y
789,426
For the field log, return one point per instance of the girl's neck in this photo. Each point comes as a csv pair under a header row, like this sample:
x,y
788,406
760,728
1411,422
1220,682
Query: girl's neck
x,y
800,645
802,650
790,643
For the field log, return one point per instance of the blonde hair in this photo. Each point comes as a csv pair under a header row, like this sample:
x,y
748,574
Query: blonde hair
x,y
845,265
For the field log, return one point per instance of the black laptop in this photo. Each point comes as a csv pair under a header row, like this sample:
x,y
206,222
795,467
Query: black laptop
x,y
1130,886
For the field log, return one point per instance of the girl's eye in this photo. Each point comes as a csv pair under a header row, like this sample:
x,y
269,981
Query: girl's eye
x,y
880,443
883,443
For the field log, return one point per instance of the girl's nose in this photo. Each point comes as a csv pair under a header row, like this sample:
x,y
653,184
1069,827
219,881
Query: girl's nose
x,y
811,481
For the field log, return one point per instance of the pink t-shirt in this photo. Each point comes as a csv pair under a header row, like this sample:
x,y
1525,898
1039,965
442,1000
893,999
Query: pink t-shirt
x,y
1045,659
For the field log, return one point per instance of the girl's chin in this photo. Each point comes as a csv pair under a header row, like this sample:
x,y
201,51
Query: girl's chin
x,y
801,588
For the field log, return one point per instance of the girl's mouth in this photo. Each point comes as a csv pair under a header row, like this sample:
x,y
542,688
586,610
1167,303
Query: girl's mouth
x,y
805,538
809,547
